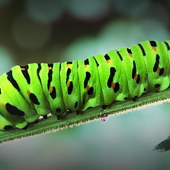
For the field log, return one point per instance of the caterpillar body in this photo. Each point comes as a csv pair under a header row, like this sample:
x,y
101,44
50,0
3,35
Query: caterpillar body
x,y
26,92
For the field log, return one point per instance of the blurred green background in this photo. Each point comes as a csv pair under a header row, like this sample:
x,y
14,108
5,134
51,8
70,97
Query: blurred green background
x,y
65,30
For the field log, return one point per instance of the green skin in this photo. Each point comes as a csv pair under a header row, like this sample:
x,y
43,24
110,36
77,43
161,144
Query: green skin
x,y
26,92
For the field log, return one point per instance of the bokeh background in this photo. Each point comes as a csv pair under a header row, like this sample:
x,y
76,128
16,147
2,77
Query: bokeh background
x,y
65,30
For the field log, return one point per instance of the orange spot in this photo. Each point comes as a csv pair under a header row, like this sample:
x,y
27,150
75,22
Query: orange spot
x,y
136,76
68,65
113,85
158,70
88,87
51,89
108,61
154,48
86,66
28,92
130,55
3,105
68,83
49,68
22,68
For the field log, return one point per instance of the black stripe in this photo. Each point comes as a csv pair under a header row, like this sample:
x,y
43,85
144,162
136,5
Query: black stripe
x,y
25,73
153,43
38,71
134,70
70,88
156,63
90,92
50,72
75,105
96,62
116,87
119,55
70,62
142,49
11,79
34,99
112,73
161,71
157,85
138,79
8,127
53,94
88,75
106,56
157,58
167,45
68,74
129,51
86,62
14,110
60,67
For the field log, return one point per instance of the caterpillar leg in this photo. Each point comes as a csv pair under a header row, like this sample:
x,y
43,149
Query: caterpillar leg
x,y
66,113
134,99
104,107
77,112
45,116
7,125
25,127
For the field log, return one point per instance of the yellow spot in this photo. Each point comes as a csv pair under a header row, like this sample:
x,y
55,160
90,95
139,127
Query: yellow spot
x,y
86,66
51,89
68,83
28,92
88,87
154,48
22,68
68,65
113,85
49,68
130,55
158,70
136,76
108,61
3,105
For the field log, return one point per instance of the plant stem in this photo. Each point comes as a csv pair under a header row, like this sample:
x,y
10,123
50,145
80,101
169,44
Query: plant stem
x,y
53,124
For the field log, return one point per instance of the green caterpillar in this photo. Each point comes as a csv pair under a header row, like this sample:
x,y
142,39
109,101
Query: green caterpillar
x,y
26,92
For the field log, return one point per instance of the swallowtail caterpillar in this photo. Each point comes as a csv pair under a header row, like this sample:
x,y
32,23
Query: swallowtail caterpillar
x,y
26,92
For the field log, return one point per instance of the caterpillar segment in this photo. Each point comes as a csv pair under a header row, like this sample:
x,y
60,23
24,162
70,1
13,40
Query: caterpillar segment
x,y
27,92
89,80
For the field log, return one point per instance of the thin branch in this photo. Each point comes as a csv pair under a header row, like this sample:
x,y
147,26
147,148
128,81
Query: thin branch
x,y
52,124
